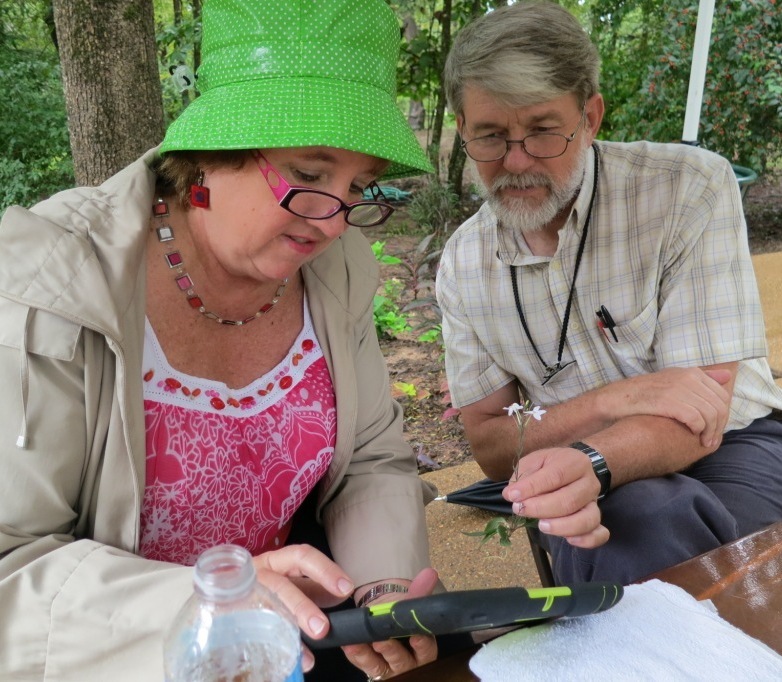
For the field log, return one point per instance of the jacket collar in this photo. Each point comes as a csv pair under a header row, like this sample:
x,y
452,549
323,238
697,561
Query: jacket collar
x,y
62,255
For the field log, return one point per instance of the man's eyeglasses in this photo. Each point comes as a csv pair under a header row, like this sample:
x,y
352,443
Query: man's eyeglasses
x,y
316,205
539,145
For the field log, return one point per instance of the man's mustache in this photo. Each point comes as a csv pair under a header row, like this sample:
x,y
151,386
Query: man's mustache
x,y
526,181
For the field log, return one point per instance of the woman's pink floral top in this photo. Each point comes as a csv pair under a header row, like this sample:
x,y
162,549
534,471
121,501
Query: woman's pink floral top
x,y
228,465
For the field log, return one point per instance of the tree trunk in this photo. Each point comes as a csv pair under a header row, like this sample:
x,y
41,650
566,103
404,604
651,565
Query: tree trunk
x,y
178,23
458,157
112,86
416,113
456,166
439,111
196,5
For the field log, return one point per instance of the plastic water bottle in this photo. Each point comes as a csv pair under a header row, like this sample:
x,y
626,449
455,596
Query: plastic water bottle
x,y
232,629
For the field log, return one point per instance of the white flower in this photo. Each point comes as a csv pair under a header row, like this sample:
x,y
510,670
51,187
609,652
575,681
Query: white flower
x,y
514,409
535,412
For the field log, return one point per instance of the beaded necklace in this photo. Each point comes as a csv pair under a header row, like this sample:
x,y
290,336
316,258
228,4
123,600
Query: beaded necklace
x,y
184,281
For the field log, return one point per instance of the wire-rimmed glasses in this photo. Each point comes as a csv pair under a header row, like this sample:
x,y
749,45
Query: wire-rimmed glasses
x,y
537,145
306,202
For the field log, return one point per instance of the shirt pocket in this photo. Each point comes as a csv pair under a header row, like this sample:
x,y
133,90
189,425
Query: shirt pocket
x,y
633,353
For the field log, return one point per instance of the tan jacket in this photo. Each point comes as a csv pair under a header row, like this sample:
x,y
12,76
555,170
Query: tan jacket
x,y
75,601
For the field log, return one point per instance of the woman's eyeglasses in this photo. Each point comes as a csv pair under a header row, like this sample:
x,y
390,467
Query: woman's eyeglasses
x,y
316,205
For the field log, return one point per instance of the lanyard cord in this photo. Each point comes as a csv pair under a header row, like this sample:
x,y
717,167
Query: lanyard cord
x,y
551,370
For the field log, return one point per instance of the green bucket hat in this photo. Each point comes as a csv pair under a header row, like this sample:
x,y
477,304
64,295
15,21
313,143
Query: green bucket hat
x,y
299,73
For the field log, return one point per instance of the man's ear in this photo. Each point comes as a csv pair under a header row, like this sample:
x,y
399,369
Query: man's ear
x,y
595,109
460,125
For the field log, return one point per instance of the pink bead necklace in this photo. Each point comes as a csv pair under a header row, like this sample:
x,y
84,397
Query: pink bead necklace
x,y
184,281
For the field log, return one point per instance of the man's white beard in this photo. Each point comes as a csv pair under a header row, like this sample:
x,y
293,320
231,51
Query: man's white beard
x,y
516,214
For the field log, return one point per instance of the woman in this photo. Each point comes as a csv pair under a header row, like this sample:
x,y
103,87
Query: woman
x,y
189,354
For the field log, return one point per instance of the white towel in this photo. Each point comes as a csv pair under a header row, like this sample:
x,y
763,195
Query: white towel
x,y
656,632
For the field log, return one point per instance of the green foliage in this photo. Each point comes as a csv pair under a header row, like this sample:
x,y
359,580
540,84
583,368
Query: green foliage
x,y
408,389
502,527
646,49
34,145
434,207
177,42
433,335
378,248
419,65
389,319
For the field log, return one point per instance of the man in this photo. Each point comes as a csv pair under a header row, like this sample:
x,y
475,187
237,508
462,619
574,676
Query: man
x,y
611,284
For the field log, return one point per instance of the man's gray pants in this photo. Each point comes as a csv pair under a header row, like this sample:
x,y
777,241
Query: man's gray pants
x,y
658,522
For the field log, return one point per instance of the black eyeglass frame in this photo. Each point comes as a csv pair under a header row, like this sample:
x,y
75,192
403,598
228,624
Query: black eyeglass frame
x,y
568,139
284,193
385,208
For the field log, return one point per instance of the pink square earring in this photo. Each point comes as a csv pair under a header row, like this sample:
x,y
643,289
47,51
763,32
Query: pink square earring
x,y
199,195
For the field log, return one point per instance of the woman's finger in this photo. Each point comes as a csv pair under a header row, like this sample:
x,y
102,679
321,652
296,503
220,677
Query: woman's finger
x,y
306,612
423,584
306,561
274,568
392,657
424,648
366,659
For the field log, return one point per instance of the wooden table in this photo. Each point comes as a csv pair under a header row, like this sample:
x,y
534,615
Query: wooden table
x,y
743,579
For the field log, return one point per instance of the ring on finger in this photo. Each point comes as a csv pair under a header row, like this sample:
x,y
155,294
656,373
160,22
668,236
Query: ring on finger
x,y
381,676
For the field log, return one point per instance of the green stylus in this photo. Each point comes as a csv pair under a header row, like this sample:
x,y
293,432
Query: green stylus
x,y
464,611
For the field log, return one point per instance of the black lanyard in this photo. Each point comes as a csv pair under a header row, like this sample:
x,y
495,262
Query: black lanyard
x,y
553,370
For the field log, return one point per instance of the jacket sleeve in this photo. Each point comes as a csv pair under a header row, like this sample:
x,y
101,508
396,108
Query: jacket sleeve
x,y
374,513
70,609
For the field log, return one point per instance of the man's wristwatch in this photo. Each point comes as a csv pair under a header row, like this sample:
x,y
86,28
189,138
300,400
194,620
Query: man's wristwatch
x,y
599,466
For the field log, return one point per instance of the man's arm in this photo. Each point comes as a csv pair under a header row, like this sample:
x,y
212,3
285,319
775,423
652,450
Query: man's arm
x,y
697,400
556,483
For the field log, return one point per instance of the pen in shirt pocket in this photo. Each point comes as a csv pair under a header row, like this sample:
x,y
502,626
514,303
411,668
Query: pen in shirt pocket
x,y
606,323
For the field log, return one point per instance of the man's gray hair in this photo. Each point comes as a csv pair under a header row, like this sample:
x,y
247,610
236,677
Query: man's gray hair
x,y
524,54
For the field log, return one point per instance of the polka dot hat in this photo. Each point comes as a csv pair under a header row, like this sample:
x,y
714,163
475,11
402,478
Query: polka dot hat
x,y
297,73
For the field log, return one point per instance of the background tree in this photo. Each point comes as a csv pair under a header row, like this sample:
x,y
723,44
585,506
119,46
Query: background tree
x,y
35,156
416,113
178,40
422,60
646,47
111,83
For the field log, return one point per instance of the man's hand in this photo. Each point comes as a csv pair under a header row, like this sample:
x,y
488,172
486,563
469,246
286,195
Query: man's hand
x,y
392,657
697,398
558,487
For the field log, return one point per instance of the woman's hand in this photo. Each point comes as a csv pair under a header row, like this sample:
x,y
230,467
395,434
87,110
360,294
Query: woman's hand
x,y
304,579
382,660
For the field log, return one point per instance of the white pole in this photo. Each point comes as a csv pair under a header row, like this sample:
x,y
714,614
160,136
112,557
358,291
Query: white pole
x,y
700,56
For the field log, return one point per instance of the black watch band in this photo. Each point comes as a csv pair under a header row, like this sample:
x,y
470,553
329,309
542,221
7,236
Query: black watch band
x,y
599,466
